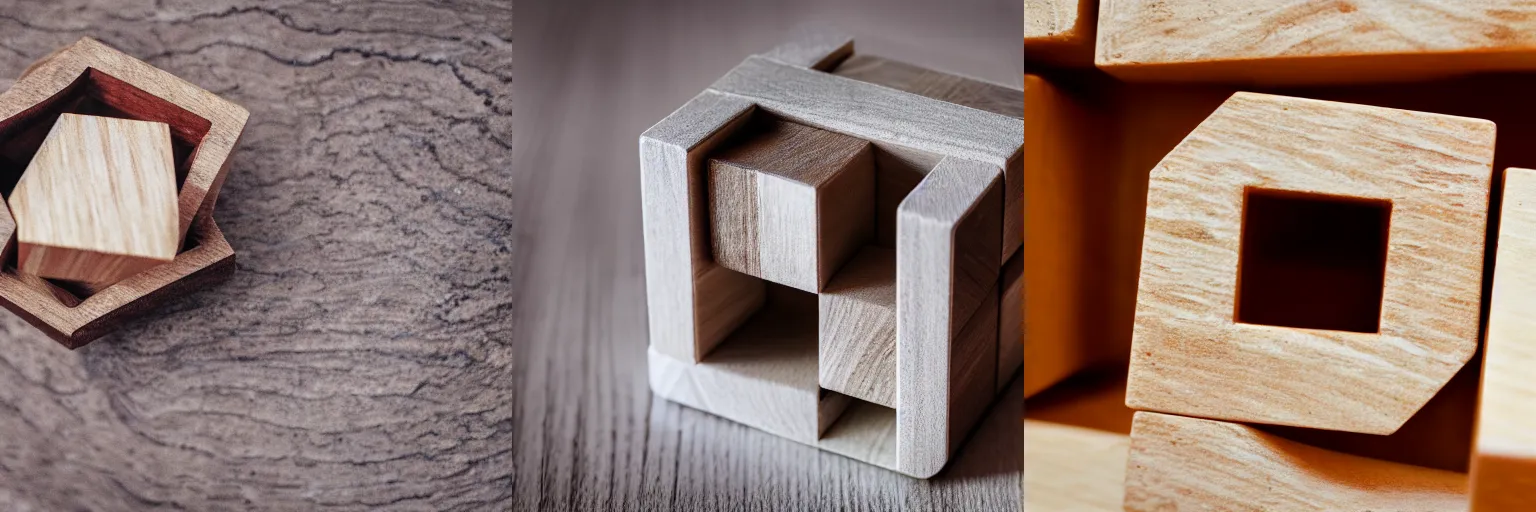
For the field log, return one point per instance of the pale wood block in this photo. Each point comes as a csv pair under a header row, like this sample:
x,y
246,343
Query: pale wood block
x,y
960,90
1060,32
98,202
1180,463
1299,41
858,328
790,203
887,116
1073,468
1504,456
1431,172
197,118
945,272
692,302
1010,321
814,47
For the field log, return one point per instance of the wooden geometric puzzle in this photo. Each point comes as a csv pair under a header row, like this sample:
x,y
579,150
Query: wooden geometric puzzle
x,y
193,132
1312,264
826,238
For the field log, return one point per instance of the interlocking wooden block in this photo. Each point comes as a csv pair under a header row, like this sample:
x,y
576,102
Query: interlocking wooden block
x,y
88,78
1303,41
908,327
858,328
791,203
1504,458
1312,264
98,202
1179,463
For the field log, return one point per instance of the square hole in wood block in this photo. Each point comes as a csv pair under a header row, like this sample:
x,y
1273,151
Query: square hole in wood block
x,y
790,203
1312,261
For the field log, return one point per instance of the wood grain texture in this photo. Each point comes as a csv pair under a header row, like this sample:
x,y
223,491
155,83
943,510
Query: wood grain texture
x,y
1303,41
1060,32
1179,463
945,276
1010,319
1190,357
198,118
698,302
790,203
889,116
591,436
1504,456
960,90
359,358
98,201
1073,468
857,335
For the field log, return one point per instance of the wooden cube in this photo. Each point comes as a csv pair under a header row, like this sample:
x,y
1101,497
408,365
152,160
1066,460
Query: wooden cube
x,y
791,203
98,202
1311,42
89,78
1504,458
909,327
1338,198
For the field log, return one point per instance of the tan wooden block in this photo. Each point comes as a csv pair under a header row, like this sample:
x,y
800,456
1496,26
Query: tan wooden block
x,y
1308,190
1504,456
98,202
90,78
1073,468
1303,41
1060,32
206,126
791,203
1180,463
857,312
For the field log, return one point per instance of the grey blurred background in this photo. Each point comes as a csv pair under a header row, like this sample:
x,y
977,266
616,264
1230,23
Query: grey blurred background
x,y
591,76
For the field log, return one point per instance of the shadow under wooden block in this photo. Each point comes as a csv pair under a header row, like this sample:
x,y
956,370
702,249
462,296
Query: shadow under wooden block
x,y
858,328
1076,441
1060,32
790,203
1010,320
1180,463
1082,223
1504,458
1310,42
1191,352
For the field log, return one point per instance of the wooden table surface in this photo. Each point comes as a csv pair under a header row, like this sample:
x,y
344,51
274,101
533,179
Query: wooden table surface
x,y
589,435
361,355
